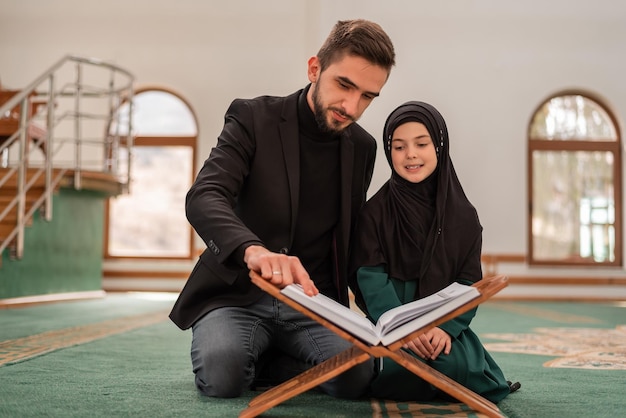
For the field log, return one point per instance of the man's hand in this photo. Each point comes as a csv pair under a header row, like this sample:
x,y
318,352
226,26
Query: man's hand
x,y
430,344
279,269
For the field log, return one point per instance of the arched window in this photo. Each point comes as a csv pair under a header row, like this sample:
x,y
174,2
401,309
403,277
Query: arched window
x,y
575,187
150,221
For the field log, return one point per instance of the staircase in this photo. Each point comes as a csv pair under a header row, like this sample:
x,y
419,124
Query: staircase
x,y
32,199
9,203
63,129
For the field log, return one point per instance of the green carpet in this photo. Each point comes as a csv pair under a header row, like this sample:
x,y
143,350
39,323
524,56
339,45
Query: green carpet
x,y
137,364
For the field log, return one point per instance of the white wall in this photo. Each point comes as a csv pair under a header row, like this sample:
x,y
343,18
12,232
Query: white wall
x,y
486,64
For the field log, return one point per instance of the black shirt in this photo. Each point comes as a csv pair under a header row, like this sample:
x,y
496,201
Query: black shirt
x,y
318,211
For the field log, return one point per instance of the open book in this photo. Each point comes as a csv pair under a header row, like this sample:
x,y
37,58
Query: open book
x,y
394,324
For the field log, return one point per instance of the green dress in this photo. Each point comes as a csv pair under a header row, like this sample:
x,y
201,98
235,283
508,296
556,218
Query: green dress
x,y
468,362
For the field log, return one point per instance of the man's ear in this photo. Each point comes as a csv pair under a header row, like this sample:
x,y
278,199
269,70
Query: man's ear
x,y
313,69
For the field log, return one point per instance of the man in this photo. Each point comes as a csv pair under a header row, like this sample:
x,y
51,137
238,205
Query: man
x,y
279,195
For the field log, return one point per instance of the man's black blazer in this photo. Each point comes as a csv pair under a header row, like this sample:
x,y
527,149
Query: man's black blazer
x,y
248,192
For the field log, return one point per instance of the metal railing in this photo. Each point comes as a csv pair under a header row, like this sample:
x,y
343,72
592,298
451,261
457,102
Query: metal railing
x,y
78,102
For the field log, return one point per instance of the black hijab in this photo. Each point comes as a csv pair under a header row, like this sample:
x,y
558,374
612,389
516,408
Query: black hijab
x,y
427,232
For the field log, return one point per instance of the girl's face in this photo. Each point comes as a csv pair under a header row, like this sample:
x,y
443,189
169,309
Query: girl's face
x,y
413,153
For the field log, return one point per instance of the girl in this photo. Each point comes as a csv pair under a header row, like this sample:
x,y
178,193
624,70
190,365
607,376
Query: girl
x,y
415,236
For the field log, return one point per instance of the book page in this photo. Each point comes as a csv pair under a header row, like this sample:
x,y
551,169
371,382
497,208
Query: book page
x,y
400,315
333,311
402,331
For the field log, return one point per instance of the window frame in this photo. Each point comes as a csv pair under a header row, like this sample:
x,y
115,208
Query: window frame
x,y
158,141
574,145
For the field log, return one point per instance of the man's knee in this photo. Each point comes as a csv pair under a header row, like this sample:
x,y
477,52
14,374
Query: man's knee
x,y
221,374
229,388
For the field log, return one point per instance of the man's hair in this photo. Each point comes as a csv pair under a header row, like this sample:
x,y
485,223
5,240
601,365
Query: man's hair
x,y
361,38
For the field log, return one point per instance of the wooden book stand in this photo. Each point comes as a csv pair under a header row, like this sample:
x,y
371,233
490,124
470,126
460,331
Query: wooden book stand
x,y
361,351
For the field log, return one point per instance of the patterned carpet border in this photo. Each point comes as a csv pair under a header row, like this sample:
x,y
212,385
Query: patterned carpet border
x,y
391,409
21,349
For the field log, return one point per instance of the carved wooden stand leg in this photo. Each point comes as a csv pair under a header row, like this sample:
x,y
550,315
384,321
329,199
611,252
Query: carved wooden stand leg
x,y
443,382
305,381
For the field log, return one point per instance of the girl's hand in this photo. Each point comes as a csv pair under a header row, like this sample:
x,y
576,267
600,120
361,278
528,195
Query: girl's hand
x,y
430,344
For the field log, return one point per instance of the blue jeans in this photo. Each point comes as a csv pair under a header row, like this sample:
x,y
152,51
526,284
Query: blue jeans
x,y
228,342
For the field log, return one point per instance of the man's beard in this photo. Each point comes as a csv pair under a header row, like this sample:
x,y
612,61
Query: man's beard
x,y
333,128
